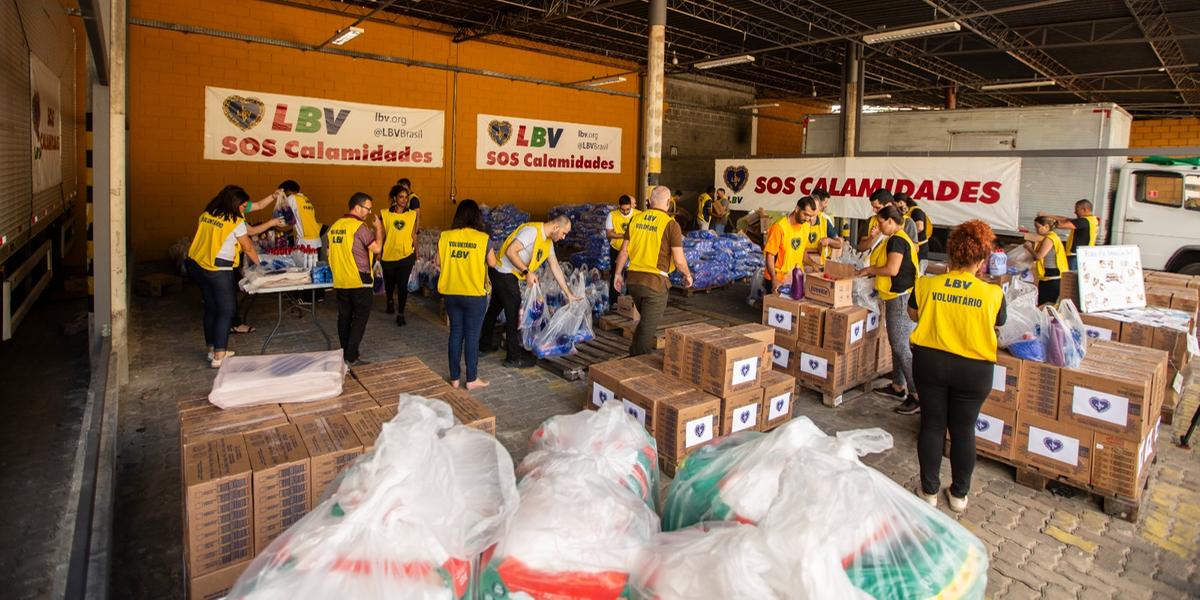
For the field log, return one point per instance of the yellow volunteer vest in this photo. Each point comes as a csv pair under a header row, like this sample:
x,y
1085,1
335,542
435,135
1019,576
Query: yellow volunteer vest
x,y
542,247
646,232
341,255
398,234
702,203
621,225
872,223
211,233
883,283
956,313
794,243
308,217
1060,259
463,253
823,225
1093,226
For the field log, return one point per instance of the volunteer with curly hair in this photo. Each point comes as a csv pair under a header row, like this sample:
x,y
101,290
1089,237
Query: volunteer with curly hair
x,y
894,266
954,356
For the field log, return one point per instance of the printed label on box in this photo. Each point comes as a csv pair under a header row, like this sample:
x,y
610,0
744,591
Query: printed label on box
x,y
856,331
601,394
1143,453
780,356
872,321
999,376
698,431
1098,405
745,417
1193,345
635,411
814,365
1062,448
1177,385
745,370
780,319
989,428
780,406
1098,333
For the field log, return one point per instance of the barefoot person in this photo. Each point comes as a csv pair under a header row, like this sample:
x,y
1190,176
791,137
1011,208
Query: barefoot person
x,y
464,257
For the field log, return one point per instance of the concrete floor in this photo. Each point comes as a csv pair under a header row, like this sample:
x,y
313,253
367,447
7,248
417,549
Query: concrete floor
x,y
1042,545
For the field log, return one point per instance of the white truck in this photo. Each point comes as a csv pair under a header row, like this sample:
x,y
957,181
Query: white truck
x,y
1153,206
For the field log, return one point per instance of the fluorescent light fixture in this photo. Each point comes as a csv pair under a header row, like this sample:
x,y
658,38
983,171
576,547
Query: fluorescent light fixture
x,y
725,62
754,106
1017,85
878,97
605,81
346,35
905,33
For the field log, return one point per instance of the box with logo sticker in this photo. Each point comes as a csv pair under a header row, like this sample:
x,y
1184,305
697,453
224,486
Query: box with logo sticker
x,y
1039,389
782,314
1122,401
829,289
681,346
1121,466
685,422
605,380
1006,383
845,328
779,392
1101,328
640,396
1056,448
875,325
730,364
783,357
762,333
742,411
995,431
821,369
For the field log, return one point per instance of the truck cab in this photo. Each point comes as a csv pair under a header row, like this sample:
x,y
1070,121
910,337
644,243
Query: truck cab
x,y
1157,207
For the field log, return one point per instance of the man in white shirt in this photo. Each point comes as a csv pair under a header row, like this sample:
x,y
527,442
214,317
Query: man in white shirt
x,y
615,228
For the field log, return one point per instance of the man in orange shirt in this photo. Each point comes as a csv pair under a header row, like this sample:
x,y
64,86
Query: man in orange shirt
x,y
789,242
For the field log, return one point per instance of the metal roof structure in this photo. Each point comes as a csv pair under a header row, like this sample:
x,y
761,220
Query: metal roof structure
x,y
1141,54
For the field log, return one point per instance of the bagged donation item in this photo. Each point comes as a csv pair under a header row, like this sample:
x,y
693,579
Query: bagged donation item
x,y
502,221
757,289
533,316
723,560
568,325
580,530
998,263
717,259
408,520
278,378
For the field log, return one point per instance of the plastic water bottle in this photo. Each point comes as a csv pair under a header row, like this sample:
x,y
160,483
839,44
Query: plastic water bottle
x,y
998,263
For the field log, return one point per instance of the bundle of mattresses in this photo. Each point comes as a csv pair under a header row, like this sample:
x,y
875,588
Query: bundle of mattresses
x,y
586,516
278,378
502,221
409,520
814,523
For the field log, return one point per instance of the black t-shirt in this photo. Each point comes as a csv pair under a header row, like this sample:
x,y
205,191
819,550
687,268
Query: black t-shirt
x,y
1083,234
907,276
923,248
1001,315
414,202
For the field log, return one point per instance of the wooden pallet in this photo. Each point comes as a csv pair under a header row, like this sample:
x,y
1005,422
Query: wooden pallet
x,y
672,317
606,346
703,290
836,398
1115,505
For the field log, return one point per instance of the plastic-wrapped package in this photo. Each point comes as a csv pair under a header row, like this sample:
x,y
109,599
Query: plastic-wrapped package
x,y
409,520
1065,346
533,317
724,560
587,233
277,378
1022,316
710,258
568,325
757,288
502,221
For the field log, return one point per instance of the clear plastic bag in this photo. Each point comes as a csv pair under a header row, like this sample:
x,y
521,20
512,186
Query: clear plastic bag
x,y
409,520
1020,259
569,325
533,314
278,378
757,288
1023,317
1064,346
377,282
713,560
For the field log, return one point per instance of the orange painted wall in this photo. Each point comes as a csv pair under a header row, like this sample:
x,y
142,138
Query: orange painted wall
x,y
170,181
1165,132
780,137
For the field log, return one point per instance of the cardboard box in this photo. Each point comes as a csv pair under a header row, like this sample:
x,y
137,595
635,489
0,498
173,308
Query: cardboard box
x,y
654,361
1177,279
1107,400
691,367
783,314
1156,296
205,424
191,403
282,481
762,333
368,423
1001,280
731,364
845,328
396,365
883,355
640,396
1006,383
297,411
1058,449
822,369
468,410
215,585
1039,389
678,343
217,507
1069,287
332,447
779,391
1101,328
626,308
1137,334
783,358
742,411
1173,342
875,325
686,422
826,289
1121,465
936,268
995,432
605,380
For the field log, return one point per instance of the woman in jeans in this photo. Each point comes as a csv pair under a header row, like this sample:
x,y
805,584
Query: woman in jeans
x,y
399,232
894,266
954,356
221,238
464,257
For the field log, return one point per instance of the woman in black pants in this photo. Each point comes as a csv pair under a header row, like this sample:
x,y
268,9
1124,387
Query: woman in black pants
x,y
400,224
954,355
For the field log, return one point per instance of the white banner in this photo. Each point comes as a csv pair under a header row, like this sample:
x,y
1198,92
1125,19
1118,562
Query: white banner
x,y
261,127
951,190
47,126
516,144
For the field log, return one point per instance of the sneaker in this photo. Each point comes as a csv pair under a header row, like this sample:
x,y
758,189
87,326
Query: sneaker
x,y
360,363
216,362
956,504
930,499
909,407
400,322
888,390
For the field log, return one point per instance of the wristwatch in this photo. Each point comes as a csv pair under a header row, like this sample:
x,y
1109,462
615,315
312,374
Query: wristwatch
x,y
525,273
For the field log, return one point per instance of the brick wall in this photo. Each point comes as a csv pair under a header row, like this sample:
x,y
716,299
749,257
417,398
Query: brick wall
x,y
1165,132
699,123
170,181
780,137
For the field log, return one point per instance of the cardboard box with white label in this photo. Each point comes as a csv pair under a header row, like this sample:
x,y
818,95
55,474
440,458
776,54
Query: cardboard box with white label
x,y
783,358
762,333
995,432
778,394
845,328
1059,449
1006,383
822,369
742,411
640,396
686,422
1124,402
605,380
730,364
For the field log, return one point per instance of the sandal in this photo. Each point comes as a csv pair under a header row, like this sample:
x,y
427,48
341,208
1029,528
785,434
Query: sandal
x,y
242,329
216,362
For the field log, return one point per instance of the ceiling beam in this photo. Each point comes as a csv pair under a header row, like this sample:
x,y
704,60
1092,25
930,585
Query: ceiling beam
x,y
549,11
1151,17
1082,44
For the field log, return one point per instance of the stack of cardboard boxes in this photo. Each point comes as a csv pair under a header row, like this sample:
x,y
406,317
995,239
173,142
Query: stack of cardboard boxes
x,y
825,341
1094,426
710,382
250,473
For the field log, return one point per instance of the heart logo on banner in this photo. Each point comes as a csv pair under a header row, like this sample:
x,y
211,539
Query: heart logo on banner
x,y
745,370
699,430
1100,404
812,363
243,112
982,425
736,177
1052,444
745,416
500,132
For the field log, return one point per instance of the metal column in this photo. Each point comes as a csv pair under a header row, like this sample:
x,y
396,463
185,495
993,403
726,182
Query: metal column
x,y
118,267
852,88
652,103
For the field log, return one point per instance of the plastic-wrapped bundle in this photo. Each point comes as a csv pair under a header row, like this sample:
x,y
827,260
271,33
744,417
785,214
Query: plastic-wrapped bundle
x,y
568,325
322,273
757,288
274,378
594,253
502,221
709,258
597,292
747,256
587,221
711,560
533,316
409,520
578,534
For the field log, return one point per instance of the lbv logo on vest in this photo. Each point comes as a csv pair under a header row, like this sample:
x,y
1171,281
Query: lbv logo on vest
x,y
796,243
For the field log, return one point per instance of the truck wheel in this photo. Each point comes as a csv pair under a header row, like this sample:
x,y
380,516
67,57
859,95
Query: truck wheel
x,y
1192,269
